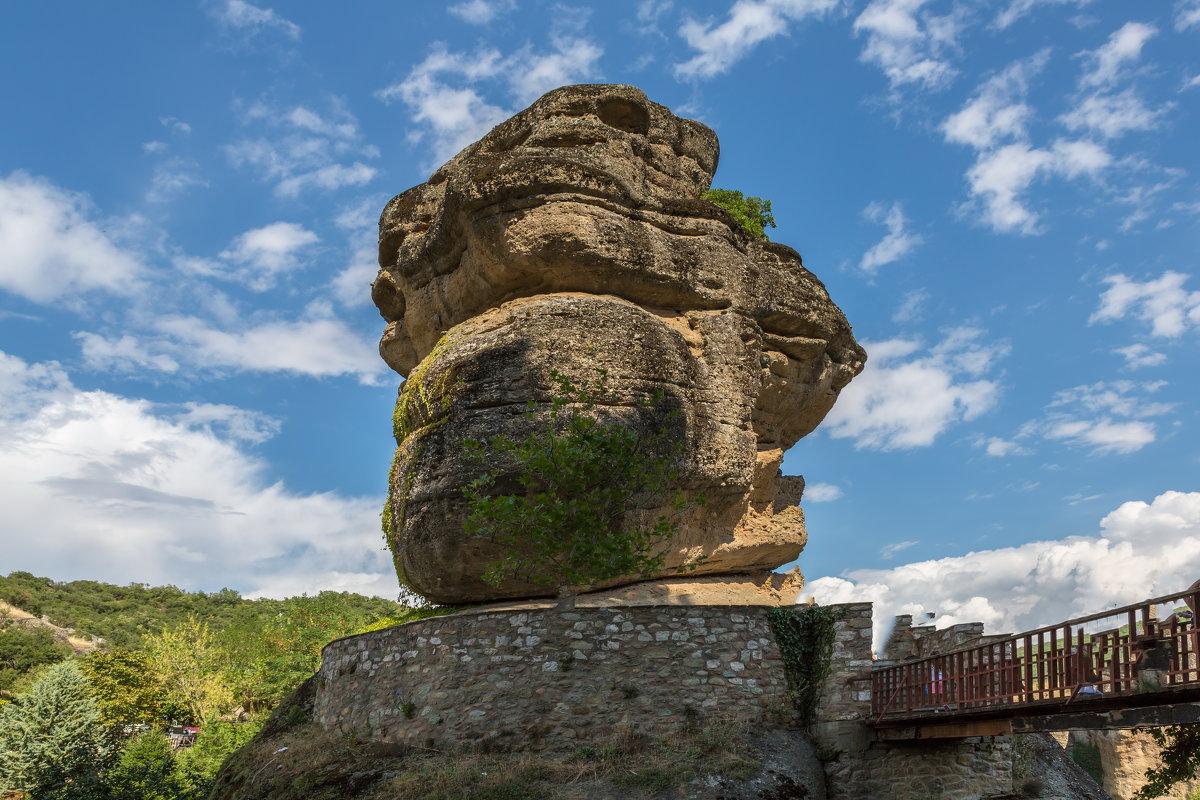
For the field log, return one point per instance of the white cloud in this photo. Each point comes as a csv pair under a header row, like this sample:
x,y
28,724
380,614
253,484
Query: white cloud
x,y
1142,550
896,244
649,12
1019,8
54,248
352,285
481,12
99,486
1163,302
240,16
1138,356
171,178
1106,64
910,306
237,423
750,23
317,345
909,45
569,62
123,354
821,492
997,111
995,123
904,400
260,254
1111,115
1187,14
1105,417
306,149
999,448
1000,178
451,112
889,551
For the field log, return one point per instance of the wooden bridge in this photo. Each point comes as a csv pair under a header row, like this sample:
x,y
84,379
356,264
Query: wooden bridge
x,y
1125,667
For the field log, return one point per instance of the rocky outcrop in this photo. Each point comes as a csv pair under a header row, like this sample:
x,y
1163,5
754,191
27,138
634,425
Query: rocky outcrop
x,y
573,239
1124,757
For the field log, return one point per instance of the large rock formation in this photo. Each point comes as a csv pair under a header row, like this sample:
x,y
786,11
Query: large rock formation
x,y
573,238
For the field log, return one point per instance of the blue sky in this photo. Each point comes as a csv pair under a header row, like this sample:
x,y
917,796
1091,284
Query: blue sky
x,y
1002,196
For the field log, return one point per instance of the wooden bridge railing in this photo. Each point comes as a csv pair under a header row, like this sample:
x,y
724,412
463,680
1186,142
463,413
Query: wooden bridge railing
x,y
1115,652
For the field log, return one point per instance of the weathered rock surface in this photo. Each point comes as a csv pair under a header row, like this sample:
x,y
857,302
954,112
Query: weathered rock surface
x,y
573,238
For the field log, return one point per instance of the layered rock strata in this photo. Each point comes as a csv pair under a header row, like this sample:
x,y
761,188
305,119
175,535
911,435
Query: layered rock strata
x,y
573,238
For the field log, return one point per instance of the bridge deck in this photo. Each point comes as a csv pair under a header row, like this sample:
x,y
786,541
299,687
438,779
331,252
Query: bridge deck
x,y
1138,655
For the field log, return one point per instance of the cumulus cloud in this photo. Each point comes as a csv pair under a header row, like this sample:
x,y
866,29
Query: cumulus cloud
x,y
446,99
909,44
1105,417
1138,356
906,398
481,12
896,244
1164,303
258,255
122,354
305,149
54,247
1141,550
134,491
1108,63
821,492
995,123
999,447
1112,115
997,111
250,20
750,22
1000,178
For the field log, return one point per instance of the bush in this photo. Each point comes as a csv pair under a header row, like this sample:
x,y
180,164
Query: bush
x,y
752,214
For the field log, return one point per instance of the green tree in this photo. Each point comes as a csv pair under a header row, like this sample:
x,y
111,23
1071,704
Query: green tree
x,y
1178,761
562,524
25,649
752,214
51,734
192,666
215,742
126,685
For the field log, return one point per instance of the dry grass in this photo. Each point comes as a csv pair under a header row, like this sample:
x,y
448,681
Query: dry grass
x,y
8,611
301,762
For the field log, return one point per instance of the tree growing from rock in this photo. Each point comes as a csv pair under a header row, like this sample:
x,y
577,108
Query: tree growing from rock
x,y
752,214
560,522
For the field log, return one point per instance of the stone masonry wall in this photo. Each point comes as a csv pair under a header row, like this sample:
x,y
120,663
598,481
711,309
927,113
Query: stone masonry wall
x,y
857,767
546,680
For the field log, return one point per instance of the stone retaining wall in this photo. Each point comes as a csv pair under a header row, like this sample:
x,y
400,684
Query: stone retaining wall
x,y
542,679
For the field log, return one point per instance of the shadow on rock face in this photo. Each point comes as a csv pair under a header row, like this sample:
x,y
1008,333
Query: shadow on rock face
x,y
573,238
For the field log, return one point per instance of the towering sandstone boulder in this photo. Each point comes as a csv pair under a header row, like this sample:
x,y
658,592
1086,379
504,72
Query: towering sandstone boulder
x,y
573,238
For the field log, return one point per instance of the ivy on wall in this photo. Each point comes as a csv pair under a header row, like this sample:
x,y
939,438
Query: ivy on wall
x,y
805,638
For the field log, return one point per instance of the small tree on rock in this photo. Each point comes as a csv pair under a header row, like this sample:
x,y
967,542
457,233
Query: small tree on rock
x,y
562,524
752,214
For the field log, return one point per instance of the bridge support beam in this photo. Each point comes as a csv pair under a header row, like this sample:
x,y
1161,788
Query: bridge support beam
x,y
945,730
1148,717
